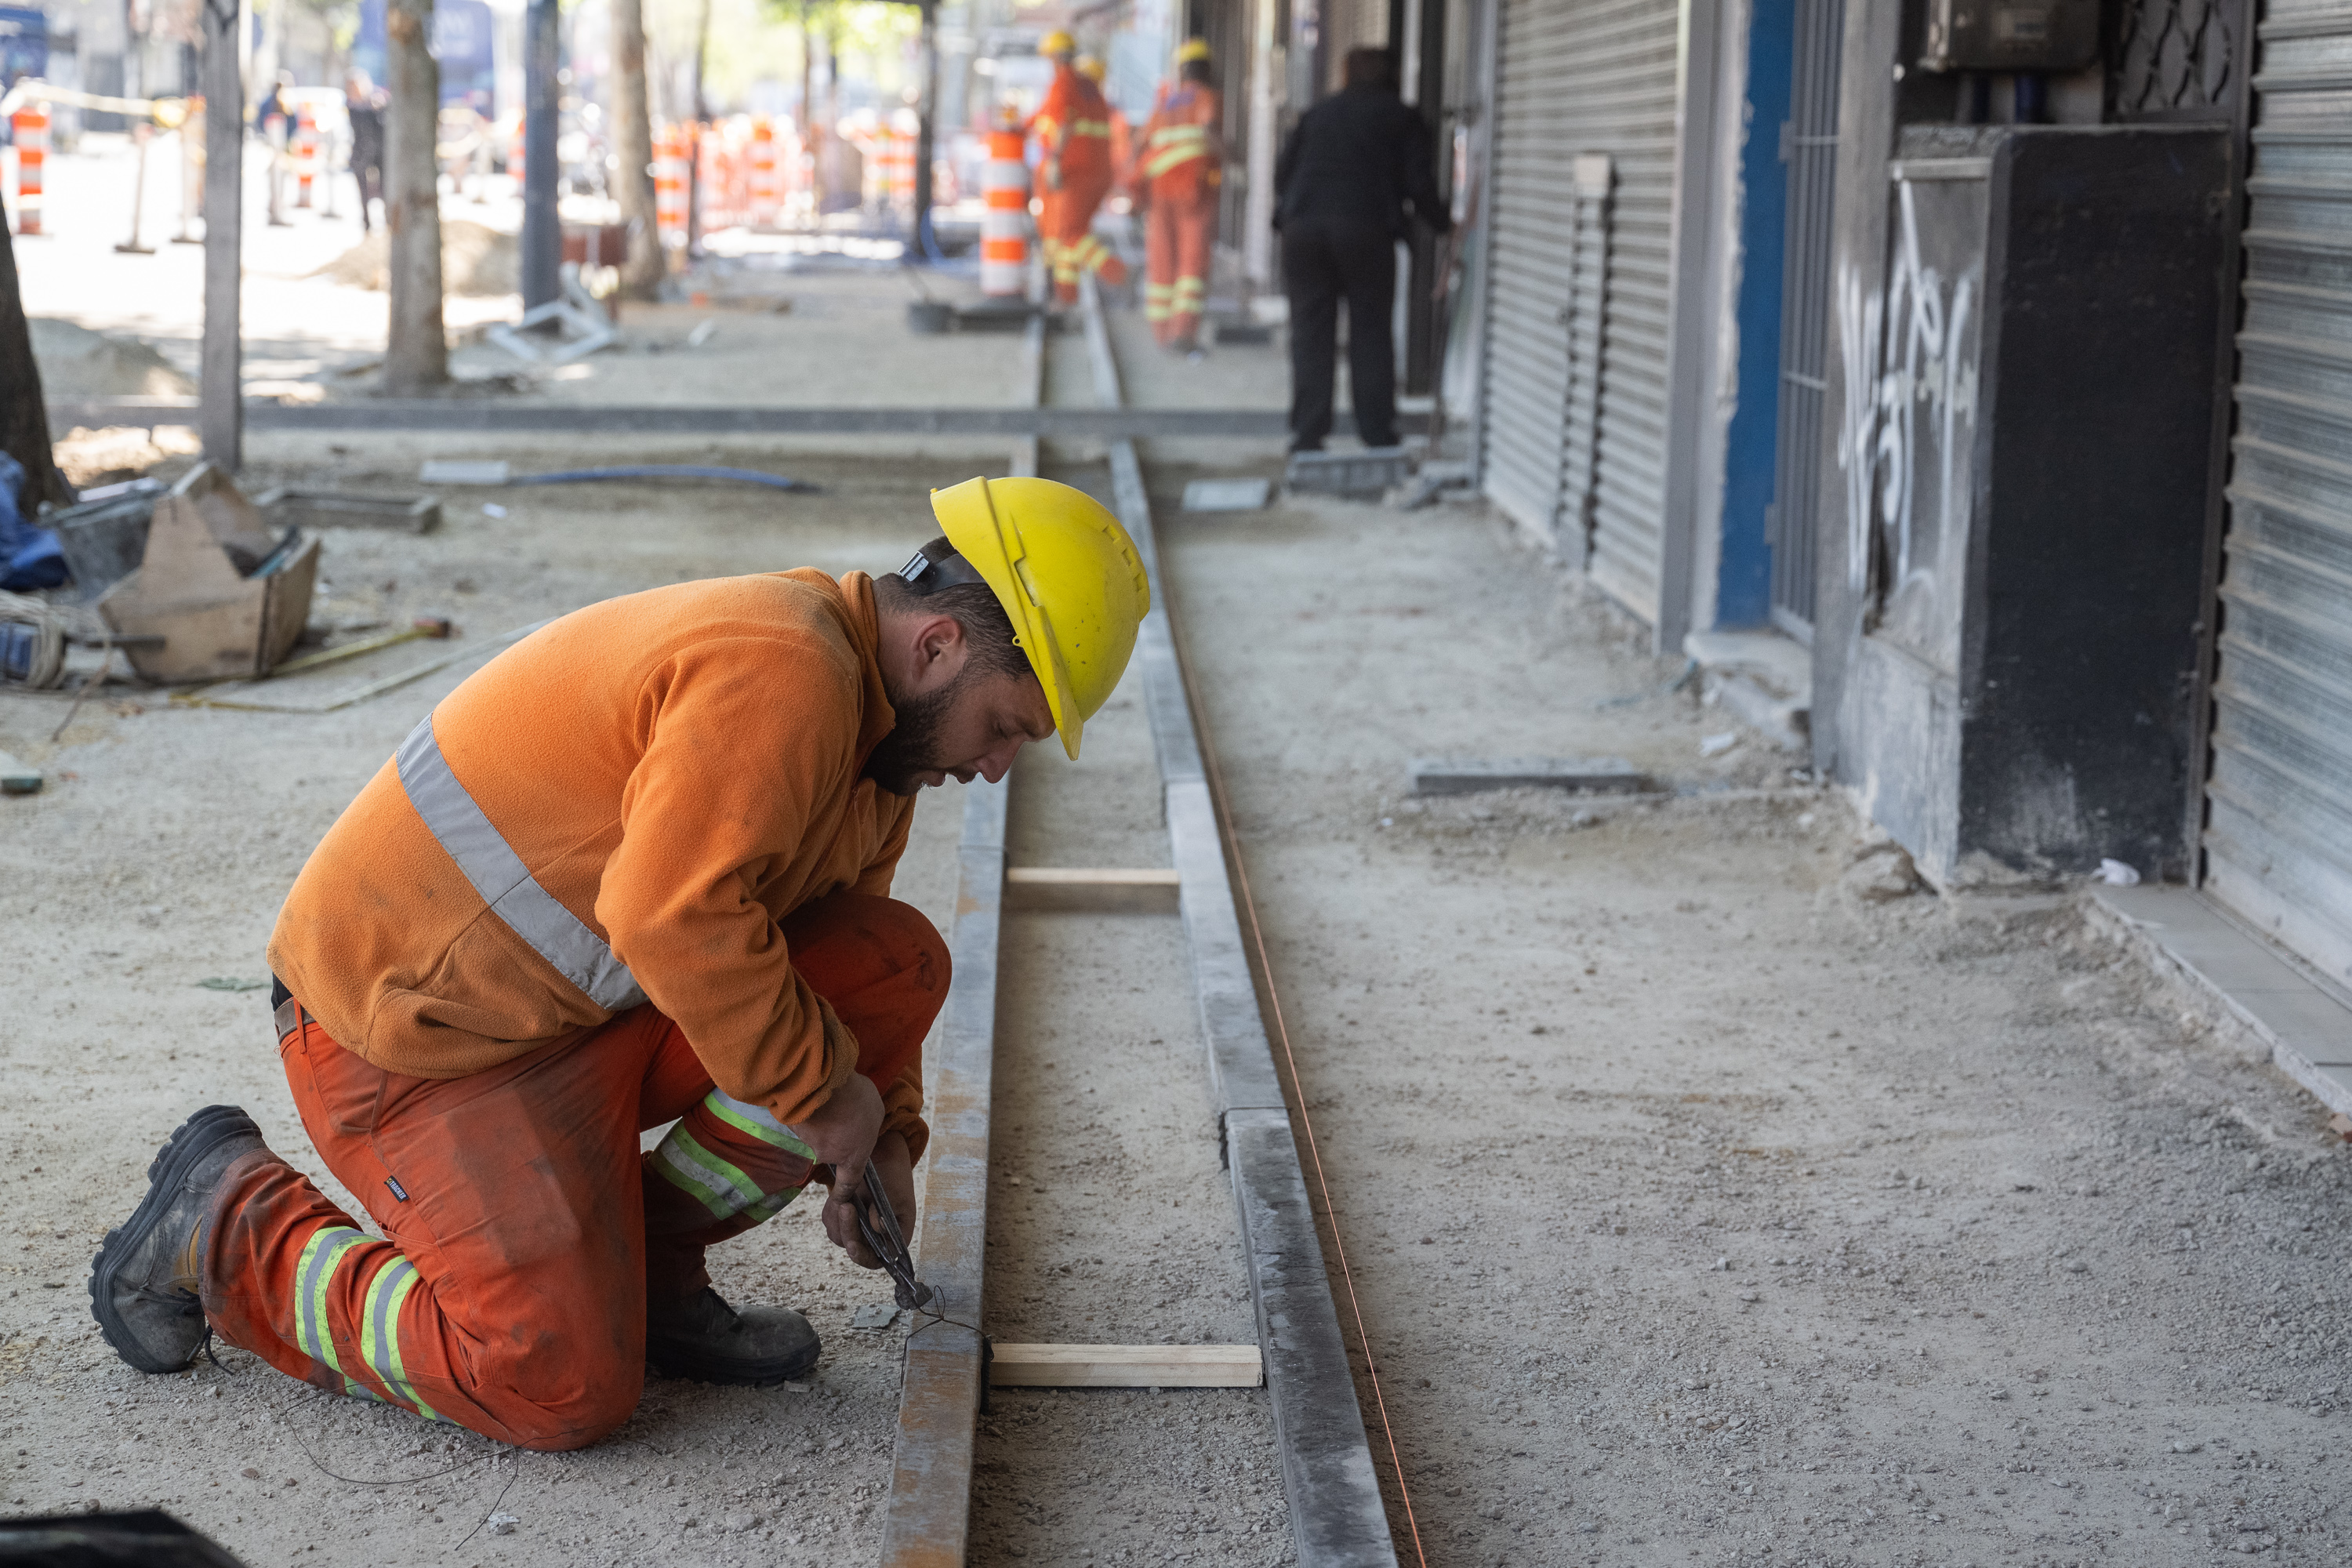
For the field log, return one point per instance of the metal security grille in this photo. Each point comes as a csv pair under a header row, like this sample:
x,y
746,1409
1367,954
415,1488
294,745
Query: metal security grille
x,y
2176,60
1808,148
2278,827
1565,452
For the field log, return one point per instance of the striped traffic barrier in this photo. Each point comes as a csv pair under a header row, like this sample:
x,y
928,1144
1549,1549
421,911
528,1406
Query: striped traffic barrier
x,y
1004,224
767,189
669,184
31,124
306,154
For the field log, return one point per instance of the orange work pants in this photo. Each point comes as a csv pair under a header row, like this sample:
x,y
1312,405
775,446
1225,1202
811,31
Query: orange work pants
x,y
522,1227
1066,230
1176,248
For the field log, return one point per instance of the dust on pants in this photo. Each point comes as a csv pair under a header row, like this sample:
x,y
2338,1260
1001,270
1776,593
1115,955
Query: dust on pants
x,y
522,1229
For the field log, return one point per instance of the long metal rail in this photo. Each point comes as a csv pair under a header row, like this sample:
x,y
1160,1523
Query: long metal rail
x,y
928,1520
1337,1517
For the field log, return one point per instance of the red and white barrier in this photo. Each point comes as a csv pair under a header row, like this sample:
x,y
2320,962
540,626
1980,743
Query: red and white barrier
x,y
306,154
31,124
669,184
1004,224
767,187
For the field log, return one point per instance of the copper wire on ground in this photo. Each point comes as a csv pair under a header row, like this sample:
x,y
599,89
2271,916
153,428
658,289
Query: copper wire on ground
x,y
1299,1092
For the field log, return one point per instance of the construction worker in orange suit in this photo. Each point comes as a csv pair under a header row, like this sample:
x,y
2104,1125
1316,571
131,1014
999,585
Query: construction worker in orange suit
x,y
1074,172
1179,168
1122,131
635,871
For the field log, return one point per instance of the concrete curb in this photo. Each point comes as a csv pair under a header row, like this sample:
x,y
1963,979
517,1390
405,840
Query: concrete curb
x,y
2183,937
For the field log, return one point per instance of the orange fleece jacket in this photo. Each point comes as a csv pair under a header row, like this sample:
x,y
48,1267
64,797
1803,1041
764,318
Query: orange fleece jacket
x,y
679,768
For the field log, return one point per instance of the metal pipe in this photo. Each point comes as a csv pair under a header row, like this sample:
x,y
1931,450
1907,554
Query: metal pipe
x,y
542,224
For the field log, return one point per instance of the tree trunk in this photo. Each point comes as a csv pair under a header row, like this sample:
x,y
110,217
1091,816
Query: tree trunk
x,y
23,416
417,352
633,152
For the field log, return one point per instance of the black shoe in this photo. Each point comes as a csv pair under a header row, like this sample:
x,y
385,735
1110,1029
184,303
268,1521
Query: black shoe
x,y
142,1283
705,1340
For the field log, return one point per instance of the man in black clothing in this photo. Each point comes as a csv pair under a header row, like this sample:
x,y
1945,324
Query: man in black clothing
x,y
364,104
1342,186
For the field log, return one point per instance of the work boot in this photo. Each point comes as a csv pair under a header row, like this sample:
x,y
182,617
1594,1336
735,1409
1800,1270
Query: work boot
x,y
143,1281
703,1338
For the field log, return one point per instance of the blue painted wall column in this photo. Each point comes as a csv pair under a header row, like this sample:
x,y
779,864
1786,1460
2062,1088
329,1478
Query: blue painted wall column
x,y
1744,580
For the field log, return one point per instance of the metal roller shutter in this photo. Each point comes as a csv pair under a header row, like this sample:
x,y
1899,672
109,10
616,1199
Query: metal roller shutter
x,y
2278,832
1576,453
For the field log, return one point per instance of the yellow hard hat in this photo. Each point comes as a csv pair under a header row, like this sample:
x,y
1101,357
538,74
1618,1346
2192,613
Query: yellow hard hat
x,y
1058,42
1192,49
1092,70
1069,580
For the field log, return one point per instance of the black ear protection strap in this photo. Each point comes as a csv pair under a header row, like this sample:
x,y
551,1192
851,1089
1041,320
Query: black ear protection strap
x,y
927,574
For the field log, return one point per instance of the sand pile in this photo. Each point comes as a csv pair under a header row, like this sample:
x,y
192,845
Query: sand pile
x,y
474,260
78,362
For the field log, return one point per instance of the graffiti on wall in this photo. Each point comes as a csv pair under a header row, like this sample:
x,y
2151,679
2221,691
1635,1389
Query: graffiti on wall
x,y
1908,422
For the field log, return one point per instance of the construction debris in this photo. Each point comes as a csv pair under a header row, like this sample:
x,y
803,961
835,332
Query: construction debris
x,y
1459,776
1227,495
18,778
227,597
288,506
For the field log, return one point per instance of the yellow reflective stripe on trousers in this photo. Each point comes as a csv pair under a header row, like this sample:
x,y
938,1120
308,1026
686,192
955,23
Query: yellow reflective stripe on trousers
x,y
379,1331
757,1120
1091,128
313,1273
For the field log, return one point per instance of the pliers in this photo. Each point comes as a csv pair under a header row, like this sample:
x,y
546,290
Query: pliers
x,y
878,1222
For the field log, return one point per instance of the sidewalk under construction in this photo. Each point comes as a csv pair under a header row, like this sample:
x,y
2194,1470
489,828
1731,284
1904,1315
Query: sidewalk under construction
x,y
1706,1185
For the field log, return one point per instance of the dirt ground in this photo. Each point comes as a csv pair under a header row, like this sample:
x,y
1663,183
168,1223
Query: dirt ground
x,y
1706,1203
1713,1193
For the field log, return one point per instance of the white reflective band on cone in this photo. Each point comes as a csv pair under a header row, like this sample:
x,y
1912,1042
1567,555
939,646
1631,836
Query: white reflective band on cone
x,y
506,884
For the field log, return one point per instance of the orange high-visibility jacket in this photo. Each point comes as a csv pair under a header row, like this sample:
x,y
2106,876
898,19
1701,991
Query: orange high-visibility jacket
x,y
1074,125
675,769
1173,161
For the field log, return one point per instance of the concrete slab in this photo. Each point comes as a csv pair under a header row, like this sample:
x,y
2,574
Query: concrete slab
x,y
2308,1031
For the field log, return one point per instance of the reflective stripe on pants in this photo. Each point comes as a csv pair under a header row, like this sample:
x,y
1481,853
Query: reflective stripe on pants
x,y
508,1292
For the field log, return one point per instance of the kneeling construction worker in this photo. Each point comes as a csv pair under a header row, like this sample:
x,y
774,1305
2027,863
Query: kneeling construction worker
x,y
635,871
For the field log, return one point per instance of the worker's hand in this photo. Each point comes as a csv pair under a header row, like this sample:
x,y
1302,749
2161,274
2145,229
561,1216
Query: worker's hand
x,y
896,1166
841,1133
1053,173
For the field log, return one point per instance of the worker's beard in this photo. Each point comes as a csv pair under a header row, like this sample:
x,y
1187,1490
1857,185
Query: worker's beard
x,y
908,751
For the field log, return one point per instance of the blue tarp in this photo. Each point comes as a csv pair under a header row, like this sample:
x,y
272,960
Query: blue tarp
x,y
29,556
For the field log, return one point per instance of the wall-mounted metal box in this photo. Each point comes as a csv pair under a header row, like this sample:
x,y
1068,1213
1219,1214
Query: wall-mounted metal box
x,y
2025,440
2011,35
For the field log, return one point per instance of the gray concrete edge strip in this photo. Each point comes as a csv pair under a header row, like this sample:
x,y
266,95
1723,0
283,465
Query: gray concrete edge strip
x,y
484,417
1337,1517
927,1518
2307,1031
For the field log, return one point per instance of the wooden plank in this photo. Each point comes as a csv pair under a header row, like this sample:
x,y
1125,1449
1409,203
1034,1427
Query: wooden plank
x,y
928,1519
1126,1367
1096,889
1338,1518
